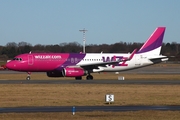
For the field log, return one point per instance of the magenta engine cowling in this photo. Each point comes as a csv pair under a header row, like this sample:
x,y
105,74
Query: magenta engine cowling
x,y
74,72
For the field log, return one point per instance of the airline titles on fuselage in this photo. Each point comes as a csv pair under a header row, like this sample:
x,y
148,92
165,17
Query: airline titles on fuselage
x,y
75,60
47,57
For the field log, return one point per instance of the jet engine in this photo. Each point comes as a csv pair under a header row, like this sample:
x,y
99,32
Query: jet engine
x,y
74,72
67,72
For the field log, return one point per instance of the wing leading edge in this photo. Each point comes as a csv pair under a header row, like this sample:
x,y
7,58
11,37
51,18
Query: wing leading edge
x,y
92,66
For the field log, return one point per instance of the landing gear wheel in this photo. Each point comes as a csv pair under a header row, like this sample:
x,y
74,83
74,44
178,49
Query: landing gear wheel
x,y
89,77
78,78
28,78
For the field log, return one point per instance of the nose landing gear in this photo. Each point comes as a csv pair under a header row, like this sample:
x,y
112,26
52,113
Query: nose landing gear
x,y
28,76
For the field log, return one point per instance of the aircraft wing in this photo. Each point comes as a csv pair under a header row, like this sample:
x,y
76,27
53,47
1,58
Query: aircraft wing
x,y
103,64
96,65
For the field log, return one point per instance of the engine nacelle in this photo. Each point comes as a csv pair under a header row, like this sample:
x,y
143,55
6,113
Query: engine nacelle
x,y
55,74
74,72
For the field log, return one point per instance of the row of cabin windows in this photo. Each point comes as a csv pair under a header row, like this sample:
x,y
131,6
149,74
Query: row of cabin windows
x,y
73,59
92,59
86,59
80,59
20,59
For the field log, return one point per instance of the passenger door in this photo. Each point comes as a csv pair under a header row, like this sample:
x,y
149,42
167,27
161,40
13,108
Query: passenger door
x,y
30,60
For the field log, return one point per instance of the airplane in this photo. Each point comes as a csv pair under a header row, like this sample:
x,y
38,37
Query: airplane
x,y
83,64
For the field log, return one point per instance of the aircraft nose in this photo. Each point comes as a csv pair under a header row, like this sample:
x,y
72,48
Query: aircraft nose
x,y
10,65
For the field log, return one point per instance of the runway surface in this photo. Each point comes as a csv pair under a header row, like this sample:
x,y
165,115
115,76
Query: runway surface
x,y
145,82
87,108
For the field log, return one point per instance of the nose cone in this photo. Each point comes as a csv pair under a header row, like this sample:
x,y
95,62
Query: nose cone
x,y
10,65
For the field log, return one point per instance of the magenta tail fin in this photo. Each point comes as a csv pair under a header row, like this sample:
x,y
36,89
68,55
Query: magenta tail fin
x,y
154,42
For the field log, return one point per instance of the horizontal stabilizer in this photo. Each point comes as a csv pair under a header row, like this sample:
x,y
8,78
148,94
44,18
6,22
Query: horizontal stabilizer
x,y
160,59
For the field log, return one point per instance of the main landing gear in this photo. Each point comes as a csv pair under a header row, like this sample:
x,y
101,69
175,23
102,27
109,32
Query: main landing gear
x,y
88,77
28,76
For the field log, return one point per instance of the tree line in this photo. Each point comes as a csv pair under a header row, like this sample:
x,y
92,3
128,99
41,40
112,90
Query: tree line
x,y
12,49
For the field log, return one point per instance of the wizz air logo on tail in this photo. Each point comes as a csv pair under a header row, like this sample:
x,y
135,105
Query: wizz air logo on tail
x,y
115,58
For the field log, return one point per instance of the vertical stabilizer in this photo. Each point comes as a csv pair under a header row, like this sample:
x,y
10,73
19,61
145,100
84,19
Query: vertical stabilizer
x,y
153,44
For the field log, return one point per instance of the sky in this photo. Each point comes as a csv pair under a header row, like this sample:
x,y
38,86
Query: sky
x,y
50,22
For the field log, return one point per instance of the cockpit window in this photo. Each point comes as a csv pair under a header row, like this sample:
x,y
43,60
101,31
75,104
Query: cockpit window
x,y
18,59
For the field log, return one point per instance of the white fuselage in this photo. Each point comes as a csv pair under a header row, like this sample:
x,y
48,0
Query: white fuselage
x,y
137,61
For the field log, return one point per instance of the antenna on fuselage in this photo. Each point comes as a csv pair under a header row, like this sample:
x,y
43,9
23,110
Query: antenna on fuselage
x,y
84,40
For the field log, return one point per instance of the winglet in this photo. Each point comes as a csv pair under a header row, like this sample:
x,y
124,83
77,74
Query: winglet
x,y
132,54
